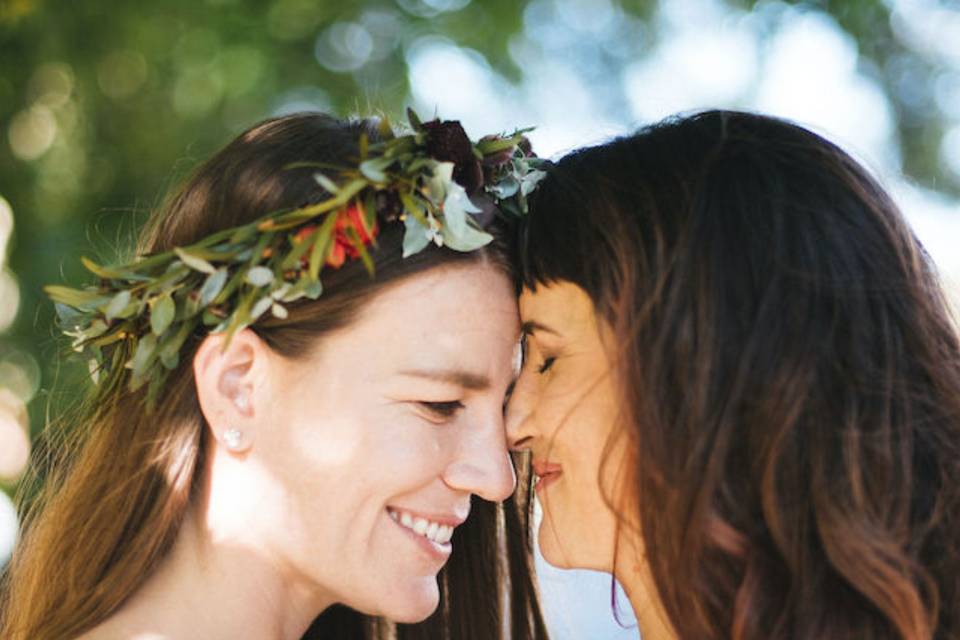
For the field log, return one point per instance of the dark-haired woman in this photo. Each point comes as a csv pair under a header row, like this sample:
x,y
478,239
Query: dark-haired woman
x,y
268,457
741,387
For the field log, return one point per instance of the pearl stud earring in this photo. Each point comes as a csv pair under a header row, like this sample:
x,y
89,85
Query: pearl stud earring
x,y
233,438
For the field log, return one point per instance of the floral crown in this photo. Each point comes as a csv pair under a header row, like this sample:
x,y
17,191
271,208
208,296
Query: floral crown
x,y
440,185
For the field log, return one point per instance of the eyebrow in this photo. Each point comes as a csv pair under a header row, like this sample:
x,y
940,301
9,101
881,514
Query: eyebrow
x,y
465,379
532,326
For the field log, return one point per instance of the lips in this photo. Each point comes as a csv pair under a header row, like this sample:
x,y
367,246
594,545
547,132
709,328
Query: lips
x,y
432,533
547,473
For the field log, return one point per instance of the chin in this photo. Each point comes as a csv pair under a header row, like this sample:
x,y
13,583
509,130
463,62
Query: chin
x,y
411,605
554,559
550,547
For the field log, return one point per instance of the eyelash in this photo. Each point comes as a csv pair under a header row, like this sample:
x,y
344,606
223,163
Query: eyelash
x,y
547,363
443,409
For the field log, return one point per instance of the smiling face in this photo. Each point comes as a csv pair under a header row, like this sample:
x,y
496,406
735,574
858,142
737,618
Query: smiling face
x,y
564,409
378,440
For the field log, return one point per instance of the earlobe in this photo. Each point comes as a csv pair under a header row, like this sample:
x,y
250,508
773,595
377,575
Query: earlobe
x,y
225,376
235,440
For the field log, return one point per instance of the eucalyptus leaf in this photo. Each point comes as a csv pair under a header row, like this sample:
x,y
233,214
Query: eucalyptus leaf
x,y
304,288
171,343
85,300
260,307
212,286
161,315
438,182
111,273
259,276
469,239
118,304
414,237
313,290
281,291
146,352
505,188
328,185
170,361
456,206
529,181
374,169
194,262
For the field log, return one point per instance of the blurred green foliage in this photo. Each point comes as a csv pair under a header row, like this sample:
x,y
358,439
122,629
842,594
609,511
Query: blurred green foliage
x,y
104,105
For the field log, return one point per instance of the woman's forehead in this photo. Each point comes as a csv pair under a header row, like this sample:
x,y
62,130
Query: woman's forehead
x,y
558,308
440,319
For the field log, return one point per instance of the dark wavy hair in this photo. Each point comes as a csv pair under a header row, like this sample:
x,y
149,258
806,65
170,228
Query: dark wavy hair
x,y
790,371
118,486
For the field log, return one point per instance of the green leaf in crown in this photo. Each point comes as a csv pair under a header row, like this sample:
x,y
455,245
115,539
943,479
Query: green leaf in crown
x,y
434,179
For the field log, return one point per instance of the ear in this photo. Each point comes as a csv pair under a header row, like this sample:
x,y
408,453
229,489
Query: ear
x,y
227,378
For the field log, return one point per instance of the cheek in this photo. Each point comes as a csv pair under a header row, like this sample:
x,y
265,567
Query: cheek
x,y
579,528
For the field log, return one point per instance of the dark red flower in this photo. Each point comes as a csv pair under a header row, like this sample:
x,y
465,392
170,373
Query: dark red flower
x,y
448,142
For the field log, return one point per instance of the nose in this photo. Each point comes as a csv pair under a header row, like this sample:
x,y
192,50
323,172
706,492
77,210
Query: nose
x,y
519,426
483,465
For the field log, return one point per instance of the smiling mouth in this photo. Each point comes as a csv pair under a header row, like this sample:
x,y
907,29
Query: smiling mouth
x,y
438,533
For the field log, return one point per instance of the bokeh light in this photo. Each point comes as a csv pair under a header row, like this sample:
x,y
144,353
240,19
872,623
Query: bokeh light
x,y
6,228
15,449
32,132
431,8
122,73
51,85
19,373
8,528
344,46
9,299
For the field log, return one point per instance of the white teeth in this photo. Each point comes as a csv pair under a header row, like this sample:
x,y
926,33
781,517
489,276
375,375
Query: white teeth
x,y
439,533
444,534
420,525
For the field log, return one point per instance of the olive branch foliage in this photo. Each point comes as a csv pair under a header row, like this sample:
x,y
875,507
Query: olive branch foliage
x,y
139,314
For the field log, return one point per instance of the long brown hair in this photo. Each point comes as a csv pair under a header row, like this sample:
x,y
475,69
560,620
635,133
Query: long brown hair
x,y
790,371
120,483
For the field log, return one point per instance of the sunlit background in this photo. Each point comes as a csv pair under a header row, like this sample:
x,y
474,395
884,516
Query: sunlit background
x,y
104,105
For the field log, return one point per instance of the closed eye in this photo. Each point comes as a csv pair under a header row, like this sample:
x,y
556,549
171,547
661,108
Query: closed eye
x,y
547,363
443,409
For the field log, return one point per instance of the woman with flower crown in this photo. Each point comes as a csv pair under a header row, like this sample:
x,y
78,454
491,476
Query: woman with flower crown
x,y
741,387
296,429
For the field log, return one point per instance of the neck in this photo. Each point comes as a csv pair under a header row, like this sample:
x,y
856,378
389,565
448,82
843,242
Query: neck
x,y
217,583
633,574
